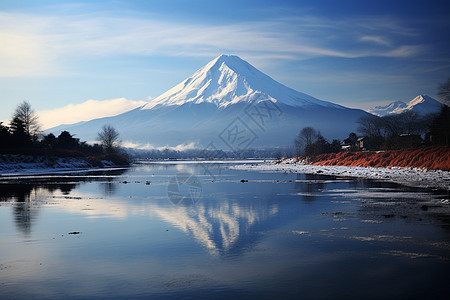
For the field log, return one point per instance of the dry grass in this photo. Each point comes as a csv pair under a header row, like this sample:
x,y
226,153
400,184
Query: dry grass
x,y
432,158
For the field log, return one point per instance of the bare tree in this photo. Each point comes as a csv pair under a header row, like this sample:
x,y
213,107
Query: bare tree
x,y
392,125
309,135
370,126
108,137
306,138
444,92
411,122
29,119
408,122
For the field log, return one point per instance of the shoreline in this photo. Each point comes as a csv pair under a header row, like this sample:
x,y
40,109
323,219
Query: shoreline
x,y
19,165
430,158
415,177
55,172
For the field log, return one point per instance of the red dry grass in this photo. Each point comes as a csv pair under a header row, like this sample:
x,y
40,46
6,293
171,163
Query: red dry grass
x,y
433,158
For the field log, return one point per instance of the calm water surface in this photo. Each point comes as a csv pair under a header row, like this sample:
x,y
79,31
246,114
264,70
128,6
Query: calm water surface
x,y
186,230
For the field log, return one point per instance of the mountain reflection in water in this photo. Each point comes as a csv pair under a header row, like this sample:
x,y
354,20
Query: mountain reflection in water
x,y
217,225
265,235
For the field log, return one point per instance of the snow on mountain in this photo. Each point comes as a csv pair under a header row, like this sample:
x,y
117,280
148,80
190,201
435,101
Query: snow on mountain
x,y
229,80
387,109
421,104
228,104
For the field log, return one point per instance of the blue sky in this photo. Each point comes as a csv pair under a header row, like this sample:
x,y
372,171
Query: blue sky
x,y
354,53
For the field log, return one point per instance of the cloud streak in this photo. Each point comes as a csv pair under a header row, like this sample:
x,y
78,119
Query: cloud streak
x,y
34,45
88,110
375,39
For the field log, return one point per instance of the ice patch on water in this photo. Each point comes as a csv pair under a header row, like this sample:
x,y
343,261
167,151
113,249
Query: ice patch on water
x,y
407,176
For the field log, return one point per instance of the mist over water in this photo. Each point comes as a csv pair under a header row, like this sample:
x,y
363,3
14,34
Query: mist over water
x,y
188,230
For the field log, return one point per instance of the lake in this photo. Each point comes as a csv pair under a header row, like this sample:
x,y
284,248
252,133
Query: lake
x,y
201,230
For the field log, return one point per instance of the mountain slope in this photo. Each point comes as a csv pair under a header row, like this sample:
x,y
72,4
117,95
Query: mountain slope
x,y
387,109
229,80
227,103
421,104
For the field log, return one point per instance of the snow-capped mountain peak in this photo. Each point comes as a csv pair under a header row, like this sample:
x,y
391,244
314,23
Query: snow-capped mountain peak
x,y
229,80
420,99
387,109
421,104
211,109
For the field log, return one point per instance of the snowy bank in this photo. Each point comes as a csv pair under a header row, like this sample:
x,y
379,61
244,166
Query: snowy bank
x,y
408,176
18,164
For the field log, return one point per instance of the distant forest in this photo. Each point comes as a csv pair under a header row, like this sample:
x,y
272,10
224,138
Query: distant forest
x,y
392,132
210,155
23,136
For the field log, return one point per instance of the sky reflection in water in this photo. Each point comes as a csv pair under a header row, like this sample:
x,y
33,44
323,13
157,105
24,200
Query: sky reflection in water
x,y
277,235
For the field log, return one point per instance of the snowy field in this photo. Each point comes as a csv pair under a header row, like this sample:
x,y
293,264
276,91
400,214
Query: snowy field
x,y
436,179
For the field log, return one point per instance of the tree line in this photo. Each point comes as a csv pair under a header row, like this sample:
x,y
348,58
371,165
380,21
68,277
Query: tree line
x,y
397,131
23,135
406,130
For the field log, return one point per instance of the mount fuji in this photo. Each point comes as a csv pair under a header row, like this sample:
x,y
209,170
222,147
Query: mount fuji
x,y
227,104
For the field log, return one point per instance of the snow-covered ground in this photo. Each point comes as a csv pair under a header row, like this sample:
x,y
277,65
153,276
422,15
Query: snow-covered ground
x,y
17,164
408,176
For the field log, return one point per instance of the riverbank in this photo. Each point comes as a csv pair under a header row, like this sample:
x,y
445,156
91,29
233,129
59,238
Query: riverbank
x,y
430,158
19,164
435,179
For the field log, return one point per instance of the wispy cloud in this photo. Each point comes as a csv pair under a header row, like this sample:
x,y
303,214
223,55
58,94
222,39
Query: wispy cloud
x,y
34,45
375,39
85,111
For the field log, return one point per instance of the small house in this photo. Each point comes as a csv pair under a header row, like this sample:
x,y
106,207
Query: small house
x,y
363,143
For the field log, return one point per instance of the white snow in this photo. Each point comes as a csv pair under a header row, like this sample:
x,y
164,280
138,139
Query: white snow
x,y
407,176
421,104
204,105
17,164
387,109
228,80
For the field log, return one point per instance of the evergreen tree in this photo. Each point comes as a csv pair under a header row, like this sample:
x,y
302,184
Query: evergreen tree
x,y
352,139
66,141
440,128
5,137
19,137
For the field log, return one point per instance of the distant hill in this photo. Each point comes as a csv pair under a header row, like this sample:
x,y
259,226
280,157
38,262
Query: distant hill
x,y
422,104
227,104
